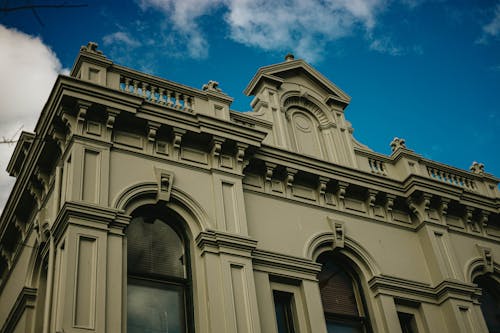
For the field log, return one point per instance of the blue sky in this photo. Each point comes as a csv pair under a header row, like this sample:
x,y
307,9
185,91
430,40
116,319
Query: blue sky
x,y
426,71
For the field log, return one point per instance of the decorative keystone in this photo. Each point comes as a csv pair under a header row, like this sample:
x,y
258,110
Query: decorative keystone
x,y
211,86
487,258
338,233
165,180
397,143
477,168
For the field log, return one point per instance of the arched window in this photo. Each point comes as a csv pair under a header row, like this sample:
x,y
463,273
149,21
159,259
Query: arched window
x,y
341,296
305,133
490,301
158,279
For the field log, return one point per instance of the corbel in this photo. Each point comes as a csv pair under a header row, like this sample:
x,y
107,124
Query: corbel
x,y
81,115
487,257
217,143
7,256
290,176
469,218
389,203
410,201
323,182
58,137
112,114
483,218
342,189
372,196
443,206
153,128
240,155
165,180
240,151
270,167
20,225
43,178
177,139
338,230
35,193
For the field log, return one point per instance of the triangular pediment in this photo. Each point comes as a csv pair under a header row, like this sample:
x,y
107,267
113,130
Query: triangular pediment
x,y
282,72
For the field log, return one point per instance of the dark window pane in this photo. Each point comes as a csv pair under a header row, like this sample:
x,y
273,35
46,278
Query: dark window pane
x,y
407,322
154,248
337,289
155,309
335,327
283,308
490,302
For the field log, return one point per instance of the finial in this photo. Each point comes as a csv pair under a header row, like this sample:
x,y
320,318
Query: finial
x,y
397,143
477,168
289,57
91,47
211,86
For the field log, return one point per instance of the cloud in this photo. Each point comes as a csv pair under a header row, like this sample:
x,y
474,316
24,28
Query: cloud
x,y
492,28
385,45
303,27
120,37
29,69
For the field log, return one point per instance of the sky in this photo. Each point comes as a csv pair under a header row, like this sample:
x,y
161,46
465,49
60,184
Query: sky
x,y
427,71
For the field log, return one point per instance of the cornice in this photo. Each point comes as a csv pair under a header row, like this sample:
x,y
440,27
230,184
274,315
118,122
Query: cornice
x,y
212,241
25,299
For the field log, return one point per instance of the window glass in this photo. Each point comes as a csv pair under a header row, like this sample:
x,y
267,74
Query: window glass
x,y
283,307
154,309
158,293
341,296
407,322
490,302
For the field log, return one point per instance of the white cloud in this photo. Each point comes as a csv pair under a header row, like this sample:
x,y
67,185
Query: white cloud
x,y
121,38
385,45
29,69
491,29
300,26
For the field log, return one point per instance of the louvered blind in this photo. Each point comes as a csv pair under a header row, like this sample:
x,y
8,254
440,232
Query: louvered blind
x,y
337,289
154,248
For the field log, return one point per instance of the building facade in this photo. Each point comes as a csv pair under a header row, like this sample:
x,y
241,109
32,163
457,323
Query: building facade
x,y
143,205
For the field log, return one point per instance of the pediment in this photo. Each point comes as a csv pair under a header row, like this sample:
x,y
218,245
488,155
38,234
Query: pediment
x,y
287,71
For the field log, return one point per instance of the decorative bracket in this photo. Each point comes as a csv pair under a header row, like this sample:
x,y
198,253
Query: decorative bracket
x,y
342,189
487,257
338,233
165,180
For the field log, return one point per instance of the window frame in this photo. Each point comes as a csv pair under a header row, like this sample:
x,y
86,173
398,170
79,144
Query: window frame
x,y
179,225
363,318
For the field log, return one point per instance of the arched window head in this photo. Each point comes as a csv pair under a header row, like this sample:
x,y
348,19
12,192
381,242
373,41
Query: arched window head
x,y
341,296
158,273
490,301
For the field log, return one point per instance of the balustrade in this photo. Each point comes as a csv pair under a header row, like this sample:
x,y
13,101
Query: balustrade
x,y
451,178
157,94
377,167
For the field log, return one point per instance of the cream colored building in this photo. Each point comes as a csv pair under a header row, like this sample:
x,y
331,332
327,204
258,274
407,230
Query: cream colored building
x,y
143,205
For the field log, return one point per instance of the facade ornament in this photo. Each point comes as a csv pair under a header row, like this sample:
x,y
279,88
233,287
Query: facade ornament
x,y
165,180
397,143
338,233
6,255
323,181
477,168
487,257
372,196
342,190
269,171
217,146
289,57
112,114
91,47
414,208
290,176
240,152
443,206
483,218
211,86
389,204
152,131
